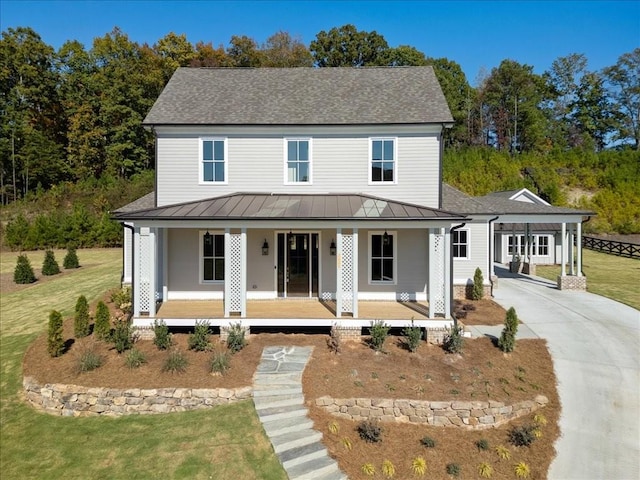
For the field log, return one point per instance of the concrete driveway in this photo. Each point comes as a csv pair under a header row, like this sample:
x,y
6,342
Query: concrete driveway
x,y
595,345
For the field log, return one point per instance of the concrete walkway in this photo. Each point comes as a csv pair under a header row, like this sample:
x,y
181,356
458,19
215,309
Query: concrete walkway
x,y
595,345
277,395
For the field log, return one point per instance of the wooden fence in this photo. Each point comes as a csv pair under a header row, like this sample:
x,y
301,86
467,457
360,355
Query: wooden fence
x,y
621,249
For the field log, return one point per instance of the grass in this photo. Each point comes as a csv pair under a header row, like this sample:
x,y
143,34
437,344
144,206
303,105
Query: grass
x,y
223,442
607,275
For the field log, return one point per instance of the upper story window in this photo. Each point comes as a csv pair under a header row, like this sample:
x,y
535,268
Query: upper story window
x,y
298,161
383,165
460,243
213,158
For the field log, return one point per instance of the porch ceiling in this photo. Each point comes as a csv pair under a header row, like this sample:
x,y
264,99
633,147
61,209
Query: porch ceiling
x,y
293,309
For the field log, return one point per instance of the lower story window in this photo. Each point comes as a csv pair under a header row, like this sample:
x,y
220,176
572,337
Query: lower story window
x,y
382,257
460,243
543,245
212,257
539,245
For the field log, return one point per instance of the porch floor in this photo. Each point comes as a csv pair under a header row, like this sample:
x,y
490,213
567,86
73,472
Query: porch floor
x,y
293,308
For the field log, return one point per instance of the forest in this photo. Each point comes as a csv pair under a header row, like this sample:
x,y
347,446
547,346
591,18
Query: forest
x,y
72,147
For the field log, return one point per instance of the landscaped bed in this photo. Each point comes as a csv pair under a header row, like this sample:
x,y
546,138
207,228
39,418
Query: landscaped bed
x,y
481,373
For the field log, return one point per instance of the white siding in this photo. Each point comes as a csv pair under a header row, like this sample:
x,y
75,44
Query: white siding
x,y
464,269
340,163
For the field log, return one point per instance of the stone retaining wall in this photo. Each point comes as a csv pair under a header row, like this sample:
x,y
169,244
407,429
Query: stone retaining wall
x,y
78,401
572,282
470,415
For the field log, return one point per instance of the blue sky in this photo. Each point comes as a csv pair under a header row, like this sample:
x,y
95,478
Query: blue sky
x,y
476,34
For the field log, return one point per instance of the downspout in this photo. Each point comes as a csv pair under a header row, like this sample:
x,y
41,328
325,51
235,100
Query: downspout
x,y
451,230
491,251
133,263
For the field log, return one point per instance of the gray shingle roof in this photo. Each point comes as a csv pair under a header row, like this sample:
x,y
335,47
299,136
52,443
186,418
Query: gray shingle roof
x,y
498,203
264,206
301,96
142,203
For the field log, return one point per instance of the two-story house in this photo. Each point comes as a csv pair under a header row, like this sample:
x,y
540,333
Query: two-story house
x,y
280,185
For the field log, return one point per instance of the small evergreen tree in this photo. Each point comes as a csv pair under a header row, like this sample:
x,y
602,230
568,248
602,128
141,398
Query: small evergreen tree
x,y
81,319
454,340
23,272
55,339
50,265
71,258
102,325
507,340
122,335
478,285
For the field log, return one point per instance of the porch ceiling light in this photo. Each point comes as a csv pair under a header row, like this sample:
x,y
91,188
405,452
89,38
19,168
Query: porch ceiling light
x,y
265,247
332,248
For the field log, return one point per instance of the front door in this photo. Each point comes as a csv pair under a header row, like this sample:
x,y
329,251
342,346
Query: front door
x,y
297,264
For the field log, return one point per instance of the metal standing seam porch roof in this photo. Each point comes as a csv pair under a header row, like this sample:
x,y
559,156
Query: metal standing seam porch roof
x,y
265,206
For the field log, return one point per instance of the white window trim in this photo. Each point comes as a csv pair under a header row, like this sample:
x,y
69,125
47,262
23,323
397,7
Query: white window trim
x,y
539,246
468,244
395,257
201,179
395,161
285,156
201,279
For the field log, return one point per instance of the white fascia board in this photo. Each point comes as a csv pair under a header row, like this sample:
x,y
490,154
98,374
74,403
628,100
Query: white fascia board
x,y
288,224
529,194
299,130
541,218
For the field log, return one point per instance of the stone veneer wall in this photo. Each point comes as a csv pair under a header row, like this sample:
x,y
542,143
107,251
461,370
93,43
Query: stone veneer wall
x,y
572,282
471,415
78,401
465,292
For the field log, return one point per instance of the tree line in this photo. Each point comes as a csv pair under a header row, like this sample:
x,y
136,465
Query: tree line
x,y
75,113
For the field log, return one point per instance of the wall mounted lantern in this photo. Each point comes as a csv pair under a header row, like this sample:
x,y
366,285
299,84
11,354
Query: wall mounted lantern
x,y
265,247
332,248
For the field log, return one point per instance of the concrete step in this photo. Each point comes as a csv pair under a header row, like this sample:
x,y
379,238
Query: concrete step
x,y
273,414
297,439
275,402
271,391
296,456
336,475
313,469
286,425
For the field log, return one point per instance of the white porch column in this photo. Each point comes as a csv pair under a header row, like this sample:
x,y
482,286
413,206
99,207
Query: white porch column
x,y
571,250
579,247
437,272
235,273
563,252
144,281
447,256
354,272
165,264
338,272
135,280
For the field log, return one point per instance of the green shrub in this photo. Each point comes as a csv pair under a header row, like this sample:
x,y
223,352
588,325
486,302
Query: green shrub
x,y
71,259
482,444
23,272
55,339
162,338
16,232
507,340
135,358
369,431
199,339
453,469
453,340
50,265
379,332
122,337
176,362
428,442
522,436
478,285
236,340
220,362
88,359
81,318
102,324
412,337
121,298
